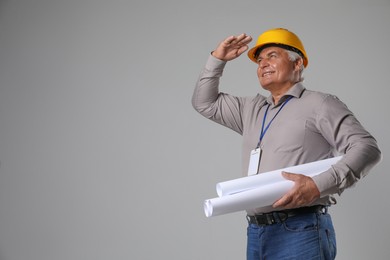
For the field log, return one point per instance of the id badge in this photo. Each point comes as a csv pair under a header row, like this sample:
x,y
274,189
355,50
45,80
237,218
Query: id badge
x,y
254,162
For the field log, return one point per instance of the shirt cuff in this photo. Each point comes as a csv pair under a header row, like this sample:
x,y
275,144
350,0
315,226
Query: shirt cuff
x,y
326,182
215,64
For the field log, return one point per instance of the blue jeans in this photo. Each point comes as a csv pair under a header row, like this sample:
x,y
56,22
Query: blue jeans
x,y
306,236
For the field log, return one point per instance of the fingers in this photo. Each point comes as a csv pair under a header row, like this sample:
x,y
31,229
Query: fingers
x,y
232,47
241,39
290,176
303,193
230,39
283,202
242,50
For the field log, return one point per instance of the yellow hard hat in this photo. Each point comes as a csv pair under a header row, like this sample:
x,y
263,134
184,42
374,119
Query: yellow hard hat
x,y
278,37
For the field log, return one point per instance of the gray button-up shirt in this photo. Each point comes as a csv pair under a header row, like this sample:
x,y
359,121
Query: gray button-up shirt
x,y
311,126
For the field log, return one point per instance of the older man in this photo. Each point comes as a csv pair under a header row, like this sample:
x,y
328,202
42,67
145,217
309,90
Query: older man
x,y
292,126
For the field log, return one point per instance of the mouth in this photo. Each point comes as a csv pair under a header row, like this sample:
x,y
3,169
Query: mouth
x,y
267,73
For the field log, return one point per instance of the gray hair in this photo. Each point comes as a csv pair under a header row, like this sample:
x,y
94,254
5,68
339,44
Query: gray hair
x,y
293,56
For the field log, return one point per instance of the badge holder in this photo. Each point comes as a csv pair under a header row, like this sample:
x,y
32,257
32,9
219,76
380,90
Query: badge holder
x,y
254,162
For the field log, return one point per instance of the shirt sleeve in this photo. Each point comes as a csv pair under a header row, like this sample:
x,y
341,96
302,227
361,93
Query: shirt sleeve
x,y
220,107
349,138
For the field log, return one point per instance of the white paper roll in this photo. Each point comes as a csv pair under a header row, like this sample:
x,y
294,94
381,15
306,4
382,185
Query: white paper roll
x,y
259,191
254,198
254,181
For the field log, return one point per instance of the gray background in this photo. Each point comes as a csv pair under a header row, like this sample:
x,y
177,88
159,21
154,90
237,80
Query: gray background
x,y
101,153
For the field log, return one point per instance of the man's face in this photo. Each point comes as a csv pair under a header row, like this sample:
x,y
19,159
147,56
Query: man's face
x,y
275,69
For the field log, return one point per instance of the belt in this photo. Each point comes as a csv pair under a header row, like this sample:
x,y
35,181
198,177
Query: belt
x,y
281,216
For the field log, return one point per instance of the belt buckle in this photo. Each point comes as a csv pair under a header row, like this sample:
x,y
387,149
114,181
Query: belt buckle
x,y
270,219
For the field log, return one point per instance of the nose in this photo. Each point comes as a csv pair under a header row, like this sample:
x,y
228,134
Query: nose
x,y
263,63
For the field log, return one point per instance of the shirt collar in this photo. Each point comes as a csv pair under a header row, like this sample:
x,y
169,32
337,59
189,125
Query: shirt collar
x,y
295,91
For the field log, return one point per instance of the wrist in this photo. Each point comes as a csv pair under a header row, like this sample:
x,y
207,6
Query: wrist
x,y
216,55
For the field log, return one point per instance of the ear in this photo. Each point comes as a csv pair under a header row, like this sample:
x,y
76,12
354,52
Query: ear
x,y
298,64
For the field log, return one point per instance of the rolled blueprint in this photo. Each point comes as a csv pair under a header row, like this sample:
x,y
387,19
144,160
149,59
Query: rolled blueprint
x,y
254,198
259,191
254,181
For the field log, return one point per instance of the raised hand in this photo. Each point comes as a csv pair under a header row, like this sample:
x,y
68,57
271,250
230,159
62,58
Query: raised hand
x,y
232,47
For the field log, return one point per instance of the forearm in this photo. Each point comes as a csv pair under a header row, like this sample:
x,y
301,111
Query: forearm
x,y
207,87
354,165
348,137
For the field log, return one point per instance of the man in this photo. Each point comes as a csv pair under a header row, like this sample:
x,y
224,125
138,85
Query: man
x,y
292,126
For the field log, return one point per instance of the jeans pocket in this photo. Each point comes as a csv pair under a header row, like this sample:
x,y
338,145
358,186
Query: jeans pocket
x,y
306,222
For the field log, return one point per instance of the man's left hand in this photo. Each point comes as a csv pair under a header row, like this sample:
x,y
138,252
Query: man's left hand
x,y
303,193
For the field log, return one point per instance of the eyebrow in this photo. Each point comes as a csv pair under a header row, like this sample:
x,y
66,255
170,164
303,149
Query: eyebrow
x,y
268,54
